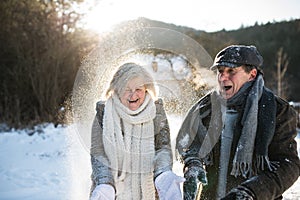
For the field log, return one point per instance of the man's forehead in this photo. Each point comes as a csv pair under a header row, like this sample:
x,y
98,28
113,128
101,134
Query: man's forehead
x,y
228,68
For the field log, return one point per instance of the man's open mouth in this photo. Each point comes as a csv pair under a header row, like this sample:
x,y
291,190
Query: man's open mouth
x,y
228,87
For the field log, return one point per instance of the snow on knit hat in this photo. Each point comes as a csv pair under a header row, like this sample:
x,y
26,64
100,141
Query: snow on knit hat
x,y
237,55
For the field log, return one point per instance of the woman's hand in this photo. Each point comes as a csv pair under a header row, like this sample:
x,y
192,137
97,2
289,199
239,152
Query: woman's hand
x,y
103,192
168,186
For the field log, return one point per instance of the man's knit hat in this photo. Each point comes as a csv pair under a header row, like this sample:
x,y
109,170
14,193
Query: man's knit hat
x,y
237,55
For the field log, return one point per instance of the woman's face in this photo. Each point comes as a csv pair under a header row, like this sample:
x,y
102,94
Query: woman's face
x,y
232,79
134,94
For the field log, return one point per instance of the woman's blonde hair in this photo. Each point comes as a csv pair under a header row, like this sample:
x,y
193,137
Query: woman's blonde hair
x,y
127,72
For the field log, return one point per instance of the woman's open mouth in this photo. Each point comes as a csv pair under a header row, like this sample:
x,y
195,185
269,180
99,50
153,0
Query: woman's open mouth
x,y
133,101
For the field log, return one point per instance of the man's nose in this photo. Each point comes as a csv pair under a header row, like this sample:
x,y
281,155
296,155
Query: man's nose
x,y
223,76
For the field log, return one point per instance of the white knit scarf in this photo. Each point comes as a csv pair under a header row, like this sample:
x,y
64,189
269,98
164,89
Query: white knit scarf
x,y
128,138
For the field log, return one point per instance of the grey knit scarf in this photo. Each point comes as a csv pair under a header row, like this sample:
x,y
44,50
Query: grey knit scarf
x,y
242,162
258,118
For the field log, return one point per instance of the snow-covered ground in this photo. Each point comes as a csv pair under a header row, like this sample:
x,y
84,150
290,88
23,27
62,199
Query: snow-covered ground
x,y
50,163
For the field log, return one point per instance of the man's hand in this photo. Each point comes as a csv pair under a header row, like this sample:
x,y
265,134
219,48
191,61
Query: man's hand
x,y
193,176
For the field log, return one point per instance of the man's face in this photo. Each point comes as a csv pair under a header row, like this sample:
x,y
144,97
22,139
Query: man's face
x,y
232,79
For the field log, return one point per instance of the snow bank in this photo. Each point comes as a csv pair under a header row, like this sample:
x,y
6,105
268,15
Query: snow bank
x,y
50,163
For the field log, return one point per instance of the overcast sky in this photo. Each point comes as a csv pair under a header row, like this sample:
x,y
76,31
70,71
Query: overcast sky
x,y
208,15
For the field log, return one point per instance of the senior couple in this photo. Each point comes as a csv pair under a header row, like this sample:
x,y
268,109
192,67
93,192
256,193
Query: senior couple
x,y
236,142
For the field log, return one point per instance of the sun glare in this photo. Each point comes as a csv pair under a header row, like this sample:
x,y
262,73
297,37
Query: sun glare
x,y
106,14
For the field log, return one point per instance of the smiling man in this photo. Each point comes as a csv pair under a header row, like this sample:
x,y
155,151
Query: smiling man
x,y
238,140
232,79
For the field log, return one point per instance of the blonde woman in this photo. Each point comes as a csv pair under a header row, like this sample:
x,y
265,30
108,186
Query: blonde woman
x,y
131,153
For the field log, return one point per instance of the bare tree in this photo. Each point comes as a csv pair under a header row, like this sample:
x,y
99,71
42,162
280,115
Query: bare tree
x,y
282,65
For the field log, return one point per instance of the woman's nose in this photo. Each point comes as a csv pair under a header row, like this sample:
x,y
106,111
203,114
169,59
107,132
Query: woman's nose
x,y
132,93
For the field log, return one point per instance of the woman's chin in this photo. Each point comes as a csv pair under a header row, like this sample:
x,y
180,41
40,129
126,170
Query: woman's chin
x,y
133,106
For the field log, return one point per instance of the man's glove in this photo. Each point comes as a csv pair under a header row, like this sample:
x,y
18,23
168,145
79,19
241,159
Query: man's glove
x,y
168,186
239,193
103,192
193,176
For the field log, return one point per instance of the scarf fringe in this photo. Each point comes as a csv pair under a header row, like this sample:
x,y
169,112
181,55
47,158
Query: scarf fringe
x,y
245,169
241,168
262,161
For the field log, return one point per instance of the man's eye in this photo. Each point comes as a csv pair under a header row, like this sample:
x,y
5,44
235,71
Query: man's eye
x,y
232,72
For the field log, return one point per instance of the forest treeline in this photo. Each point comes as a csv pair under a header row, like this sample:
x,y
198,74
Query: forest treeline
x,y
41,49
278,42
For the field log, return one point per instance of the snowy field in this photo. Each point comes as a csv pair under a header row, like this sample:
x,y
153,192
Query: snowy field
x,y
50,163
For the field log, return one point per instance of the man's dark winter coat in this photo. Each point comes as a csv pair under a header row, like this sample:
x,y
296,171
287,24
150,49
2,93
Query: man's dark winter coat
x,y
266,185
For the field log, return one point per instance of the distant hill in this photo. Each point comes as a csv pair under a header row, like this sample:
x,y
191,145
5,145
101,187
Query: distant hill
x,y
268,38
